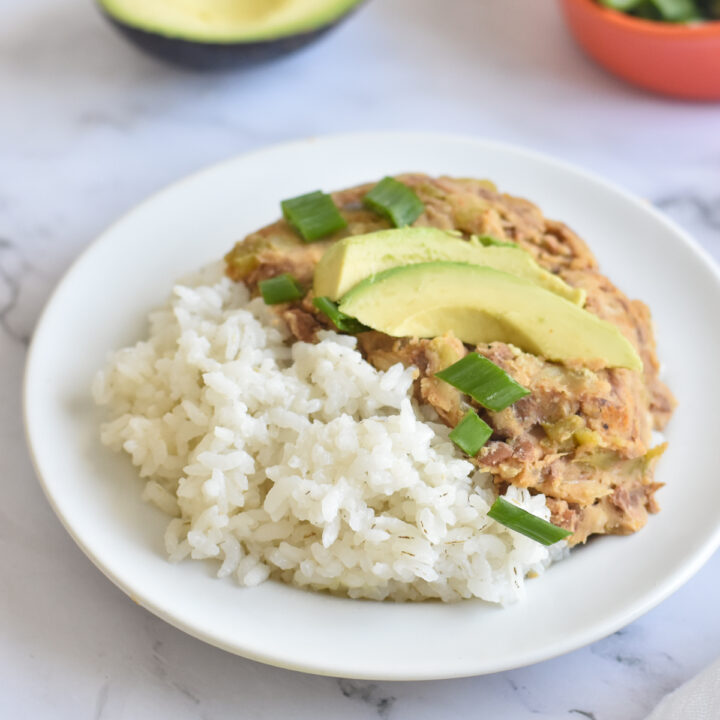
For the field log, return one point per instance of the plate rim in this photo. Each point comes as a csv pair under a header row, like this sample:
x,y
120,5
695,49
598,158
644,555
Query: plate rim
x,y
596,631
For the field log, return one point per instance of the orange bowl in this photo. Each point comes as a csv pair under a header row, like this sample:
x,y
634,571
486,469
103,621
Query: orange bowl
x,y
678,60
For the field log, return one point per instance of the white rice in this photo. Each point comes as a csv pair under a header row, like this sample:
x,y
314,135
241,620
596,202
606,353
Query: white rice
x,y
303,462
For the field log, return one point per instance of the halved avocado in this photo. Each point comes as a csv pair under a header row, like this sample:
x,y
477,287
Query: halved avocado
x,y
217,33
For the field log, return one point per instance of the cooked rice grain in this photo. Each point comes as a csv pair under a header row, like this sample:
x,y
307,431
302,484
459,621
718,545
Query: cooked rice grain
x,y
303,462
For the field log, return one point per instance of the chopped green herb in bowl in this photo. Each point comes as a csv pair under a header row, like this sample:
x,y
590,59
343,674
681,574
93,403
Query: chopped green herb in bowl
x,y
675,11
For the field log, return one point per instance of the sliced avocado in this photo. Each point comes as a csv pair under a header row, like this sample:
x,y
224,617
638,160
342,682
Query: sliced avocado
x,y
208,33
352,259
481,304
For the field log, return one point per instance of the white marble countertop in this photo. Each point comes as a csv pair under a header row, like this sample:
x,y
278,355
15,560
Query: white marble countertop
x,y
89,127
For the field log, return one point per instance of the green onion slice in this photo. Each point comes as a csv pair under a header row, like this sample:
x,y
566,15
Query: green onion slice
x,y
280,289
519,520
395,201
668,10
621,5
678,10
645,10
340,320
471,433
313,215
484,382
488,240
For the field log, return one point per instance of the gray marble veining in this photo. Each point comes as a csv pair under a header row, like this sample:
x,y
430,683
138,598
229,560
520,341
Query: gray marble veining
x,y
12,269
369,693
89,127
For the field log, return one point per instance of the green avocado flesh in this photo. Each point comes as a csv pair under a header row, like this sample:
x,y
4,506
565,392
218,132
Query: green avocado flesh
x,y
355,258
481,305
227,21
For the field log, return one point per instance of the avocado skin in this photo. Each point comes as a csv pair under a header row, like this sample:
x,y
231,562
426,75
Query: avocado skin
x,y
196,55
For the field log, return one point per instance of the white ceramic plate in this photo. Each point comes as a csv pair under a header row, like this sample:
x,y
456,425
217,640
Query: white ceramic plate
x,y
101,303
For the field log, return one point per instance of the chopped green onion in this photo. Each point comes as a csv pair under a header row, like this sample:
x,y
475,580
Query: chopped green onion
x,y
280,289
313,215
668,10
678,10
621,5
395,201
646,10
519,520
488,240
340,320
483,381
471,433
